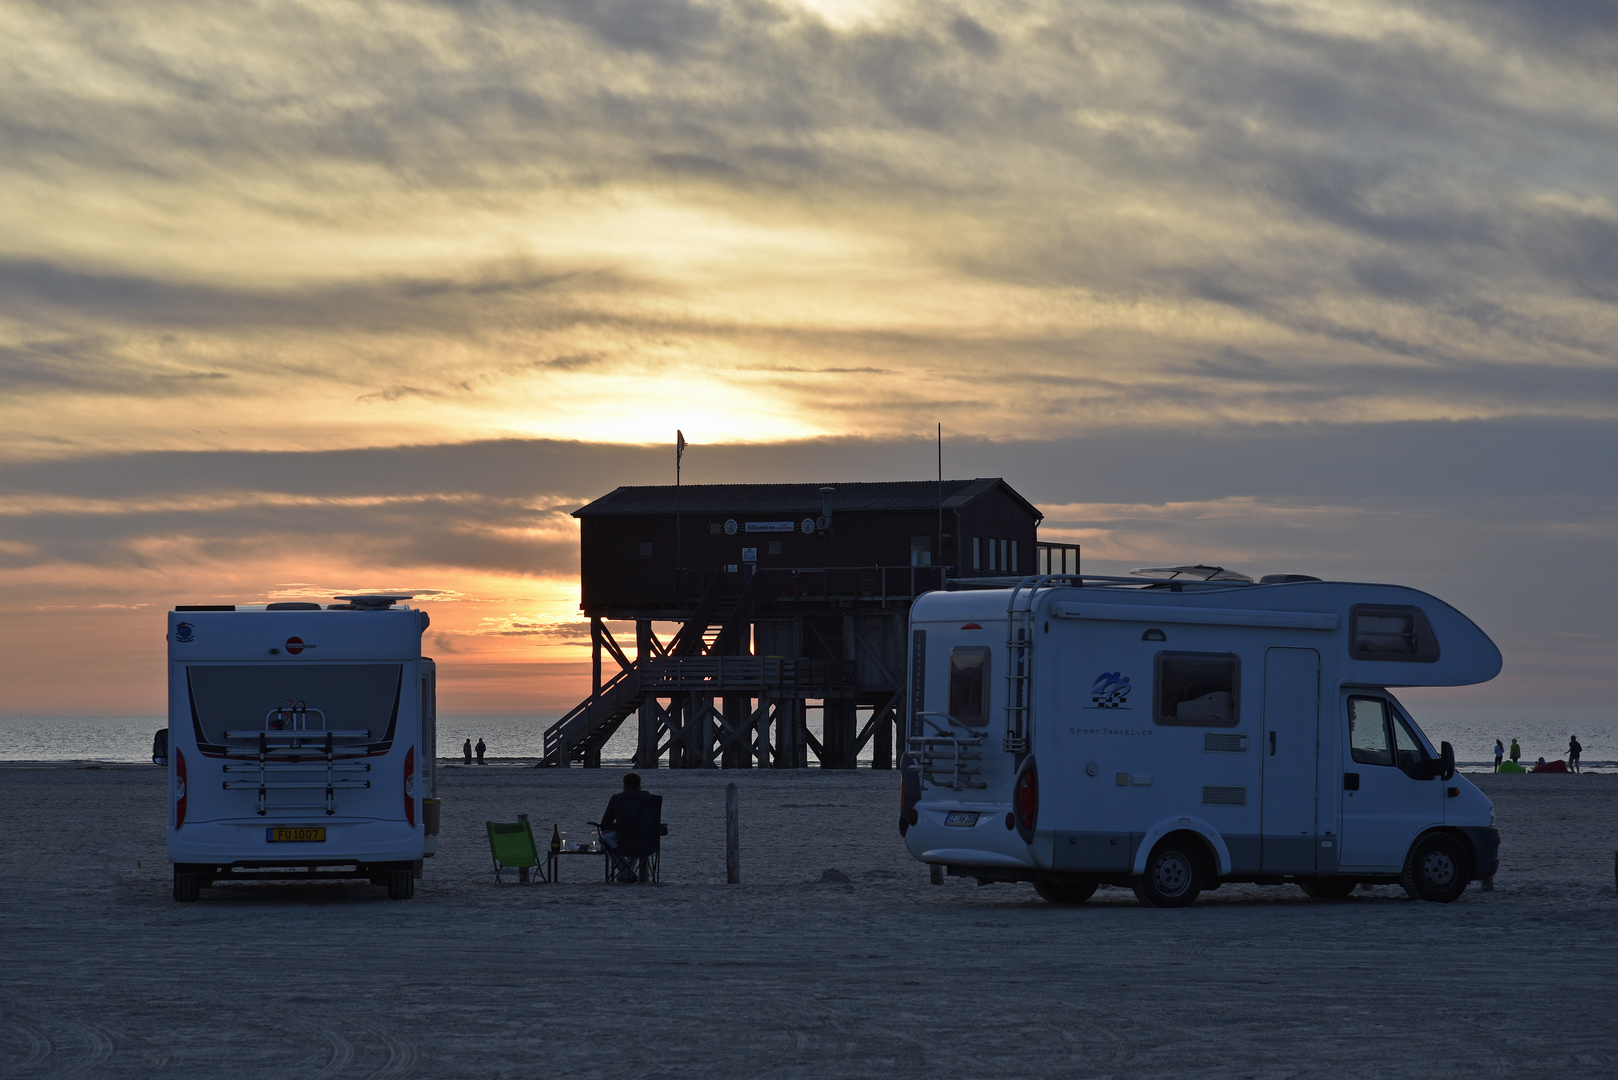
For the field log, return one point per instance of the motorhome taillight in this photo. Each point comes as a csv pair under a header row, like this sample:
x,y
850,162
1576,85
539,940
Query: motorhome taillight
x,y
179,788
1025,798
410,786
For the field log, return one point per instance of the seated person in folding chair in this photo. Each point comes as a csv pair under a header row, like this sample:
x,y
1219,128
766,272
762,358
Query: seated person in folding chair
x,y
631,829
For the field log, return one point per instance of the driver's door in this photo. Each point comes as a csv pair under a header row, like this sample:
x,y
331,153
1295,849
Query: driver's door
x,y
1385,803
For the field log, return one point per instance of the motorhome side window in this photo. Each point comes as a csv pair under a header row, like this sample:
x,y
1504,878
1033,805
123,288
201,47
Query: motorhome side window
x,y
1201,689
1368,731
969,684
1391,633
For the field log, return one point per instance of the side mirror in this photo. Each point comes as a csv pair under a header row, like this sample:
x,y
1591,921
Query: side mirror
x,y
160,747
1446,761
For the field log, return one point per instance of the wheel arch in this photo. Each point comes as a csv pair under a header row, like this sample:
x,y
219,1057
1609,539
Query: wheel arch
x,y
1213,845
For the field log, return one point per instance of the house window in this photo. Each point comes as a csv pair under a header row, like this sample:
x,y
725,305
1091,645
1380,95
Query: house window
x,y
1004,565
921,551
646,549
1015,568
1197,689
994,549
969,684
977,553
1391,633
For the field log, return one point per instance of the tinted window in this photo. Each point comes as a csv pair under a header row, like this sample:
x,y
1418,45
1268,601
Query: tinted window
x,y
1368,731
969,685
246,697
1202,689
1391,633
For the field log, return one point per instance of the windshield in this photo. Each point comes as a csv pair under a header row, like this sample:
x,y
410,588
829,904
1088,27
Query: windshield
x,y
279,697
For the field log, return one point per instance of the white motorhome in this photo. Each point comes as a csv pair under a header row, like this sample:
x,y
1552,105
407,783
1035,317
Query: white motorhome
x,y
302,743
1170,735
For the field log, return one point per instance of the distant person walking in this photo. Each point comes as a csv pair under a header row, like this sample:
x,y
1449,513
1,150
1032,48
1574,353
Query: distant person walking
x,y
480,749
1573,752
1516,751
1499,754
466,751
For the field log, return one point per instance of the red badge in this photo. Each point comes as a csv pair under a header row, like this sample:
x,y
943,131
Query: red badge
x,y
294,645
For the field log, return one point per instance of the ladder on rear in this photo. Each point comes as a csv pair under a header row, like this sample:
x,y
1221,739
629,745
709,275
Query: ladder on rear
x,y
1020,660
288,754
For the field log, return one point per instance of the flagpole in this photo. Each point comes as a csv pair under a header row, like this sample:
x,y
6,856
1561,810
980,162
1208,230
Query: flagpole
x,y
679,452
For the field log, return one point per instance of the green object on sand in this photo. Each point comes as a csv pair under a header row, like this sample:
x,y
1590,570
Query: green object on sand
x,y
1511,766
512,845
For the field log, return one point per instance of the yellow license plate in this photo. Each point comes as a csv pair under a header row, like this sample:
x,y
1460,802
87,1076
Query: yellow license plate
x,y
296,834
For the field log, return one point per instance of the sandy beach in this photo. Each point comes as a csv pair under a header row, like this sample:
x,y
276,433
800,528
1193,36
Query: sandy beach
x,y
104,975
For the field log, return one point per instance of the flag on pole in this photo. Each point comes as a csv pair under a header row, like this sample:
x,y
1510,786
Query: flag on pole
x,y
679,445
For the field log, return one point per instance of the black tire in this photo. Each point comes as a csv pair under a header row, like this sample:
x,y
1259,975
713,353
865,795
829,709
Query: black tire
x,y
1328,888
1067,889
1173,875
1438,869
187,886
401,884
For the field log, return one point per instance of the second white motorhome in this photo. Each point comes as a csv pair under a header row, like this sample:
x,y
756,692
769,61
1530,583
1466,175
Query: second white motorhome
x,y
1172,735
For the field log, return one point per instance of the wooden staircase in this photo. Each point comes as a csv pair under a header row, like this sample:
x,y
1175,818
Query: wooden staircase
x,y
717,627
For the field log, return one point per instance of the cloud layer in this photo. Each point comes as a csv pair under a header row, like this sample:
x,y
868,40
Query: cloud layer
x,y
351,295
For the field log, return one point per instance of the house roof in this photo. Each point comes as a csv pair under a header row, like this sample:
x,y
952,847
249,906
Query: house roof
x,y
793,500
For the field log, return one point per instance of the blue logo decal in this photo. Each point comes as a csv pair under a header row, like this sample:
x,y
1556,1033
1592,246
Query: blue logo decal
x,y
1110,691
184,633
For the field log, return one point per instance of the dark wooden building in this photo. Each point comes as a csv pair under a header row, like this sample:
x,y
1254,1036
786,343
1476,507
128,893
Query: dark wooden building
x,y
787,596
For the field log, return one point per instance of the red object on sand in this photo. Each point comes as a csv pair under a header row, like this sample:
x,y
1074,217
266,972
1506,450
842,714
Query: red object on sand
x,y
1550,766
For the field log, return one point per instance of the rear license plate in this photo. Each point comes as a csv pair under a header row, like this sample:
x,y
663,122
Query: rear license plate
x,y
296,834
964,818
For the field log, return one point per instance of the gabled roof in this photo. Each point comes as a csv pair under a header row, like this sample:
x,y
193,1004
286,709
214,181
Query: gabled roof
x,y
793,500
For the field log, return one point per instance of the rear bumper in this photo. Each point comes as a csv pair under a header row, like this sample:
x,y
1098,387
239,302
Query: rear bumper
x,y
1486,846
987,844
245,843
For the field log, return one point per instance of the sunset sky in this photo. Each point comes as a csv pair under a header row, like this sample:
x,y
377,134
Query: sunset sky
x,y
298,299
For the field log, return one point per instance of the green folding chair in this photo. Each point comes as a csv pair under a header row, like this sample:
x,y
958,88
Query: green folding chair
x,y
511,843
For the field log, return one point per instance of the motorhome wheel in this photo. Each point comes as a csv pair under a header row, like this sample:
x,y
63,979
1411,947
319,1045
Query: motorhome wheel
x,y
187,886
401,884
1068,889
1329,888
1437,869
1173,875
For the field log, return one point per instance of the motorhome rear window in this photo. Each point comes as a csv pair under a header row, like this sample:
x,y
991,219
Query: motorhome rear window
x,y
1391,633
969,684
1197,689
245,697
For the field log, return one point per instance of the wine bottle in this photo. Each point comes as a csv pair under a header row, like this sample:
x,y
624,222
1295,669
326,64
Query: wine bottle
x,y
556,838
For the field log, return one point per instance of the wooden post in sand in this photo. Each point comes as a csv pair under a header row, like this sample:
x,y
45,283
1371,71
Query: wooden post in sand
x,y
733,836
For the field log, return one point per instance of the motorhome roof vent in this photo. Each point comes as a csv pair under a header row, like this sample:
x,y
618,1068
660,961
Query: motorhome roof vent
x,y
1282,579
374,601
292,605
1198,572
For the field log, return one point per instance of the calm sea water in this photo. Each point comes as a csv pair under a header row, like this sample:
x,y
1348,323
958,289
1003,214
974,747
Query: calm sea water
x,y
129,738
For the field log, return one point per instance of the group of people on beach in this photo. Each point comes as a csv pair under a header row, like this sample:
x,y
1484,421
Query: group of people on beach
x,y
1574,750
467,750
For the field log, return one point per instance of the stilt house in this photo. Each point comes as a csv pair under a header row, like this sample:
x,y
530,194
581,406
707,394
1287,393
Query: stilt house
x,y
784,598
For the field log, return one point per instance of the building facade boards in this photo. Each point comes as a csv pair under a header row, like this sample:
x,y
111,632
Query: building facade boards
x,y
804,590
647,551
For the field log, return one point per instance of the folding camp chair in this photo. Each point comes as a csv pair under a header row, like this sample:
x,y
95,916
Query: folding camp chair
x,y
511,843
640,850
